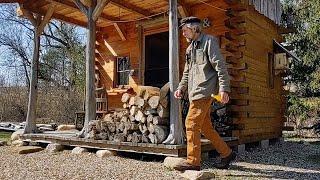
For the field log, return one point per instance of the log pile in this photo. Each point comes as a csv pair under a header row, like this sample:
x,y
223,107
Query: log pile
x,y
144,118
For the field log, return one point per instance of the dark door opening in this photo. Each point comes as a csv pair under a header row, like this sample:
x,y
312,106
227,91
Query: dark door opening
x,y
156,59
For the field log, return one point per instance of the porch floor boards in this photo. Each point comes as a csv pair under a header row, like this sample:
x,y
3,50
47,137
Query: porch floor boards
x,y
70,139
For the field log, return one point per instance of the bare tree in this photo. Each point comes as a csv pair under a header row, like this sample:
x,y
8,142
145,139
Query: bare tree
x,y
15,35
64,68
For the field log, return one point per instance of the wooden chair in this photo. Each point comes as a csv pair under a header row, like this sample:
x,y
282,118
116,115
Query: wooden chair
x,y
102,102
101,108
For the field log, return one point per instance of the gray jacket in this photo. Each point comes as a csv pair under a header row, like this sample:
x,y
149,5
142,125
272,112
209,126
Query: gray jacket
x,y
205,70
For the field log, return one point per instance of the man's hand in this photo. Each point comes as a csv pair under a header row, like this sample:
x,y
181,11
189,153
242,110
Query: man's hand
x,y
178,94
224,97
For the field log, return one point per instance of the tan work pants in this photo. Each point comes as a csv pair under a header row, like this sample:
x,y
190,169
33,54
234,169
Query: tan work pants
x,y
198,121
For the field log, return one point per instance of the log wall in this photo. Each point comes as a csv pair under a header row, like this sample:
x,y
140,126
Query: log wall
x,y
263,115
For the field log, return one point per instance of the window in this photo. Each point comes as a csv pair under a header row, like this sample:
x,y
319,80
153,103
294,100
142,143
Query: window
x,y
123,70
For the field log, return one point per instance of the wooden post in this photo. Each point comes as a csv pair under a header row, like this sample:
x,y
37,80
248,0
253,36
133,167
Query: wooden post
x,y
141,54
176,135
33,91
90,102
39,23
92,12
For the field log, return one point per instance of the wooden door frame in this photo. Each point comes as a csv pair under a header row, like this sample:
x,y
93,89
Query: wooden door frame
x,y
145,29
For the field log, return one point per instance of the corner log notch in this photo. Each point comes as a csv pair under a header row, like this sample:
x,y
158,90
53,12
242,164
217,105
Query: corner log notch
x,y
39,22
92,12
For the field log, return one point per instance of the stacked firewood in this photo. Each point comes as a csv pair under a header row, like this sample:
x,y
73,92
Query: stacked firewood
x,y
144,118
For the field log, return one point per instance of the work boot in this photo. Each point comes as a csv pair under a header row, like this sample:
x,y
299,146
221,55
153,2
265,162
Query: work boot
x,y
186,166
225,162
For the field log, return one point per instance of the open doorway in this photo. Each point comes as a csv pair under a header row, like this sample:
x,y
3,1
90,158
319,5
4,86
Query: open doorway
x,y
156,59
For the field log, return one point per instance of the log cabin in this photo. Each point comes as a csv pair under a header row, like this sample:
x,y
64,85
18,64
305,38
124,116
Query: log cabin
x,y
137,43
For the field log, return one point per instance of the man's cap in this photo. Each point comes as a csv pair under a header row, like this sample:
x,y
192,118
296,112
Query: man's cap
x,y
188,20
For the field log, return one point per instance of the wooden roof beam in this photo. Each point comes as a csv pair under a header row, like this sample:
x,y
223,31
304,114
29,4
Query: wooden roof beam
x,y
130,7
58,17
46,17
183,11
105,44
72,6
120,32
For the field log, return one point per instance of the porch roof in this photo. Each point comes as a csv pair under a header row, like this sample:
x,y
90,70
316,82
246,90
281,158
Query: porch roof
x,y
116,11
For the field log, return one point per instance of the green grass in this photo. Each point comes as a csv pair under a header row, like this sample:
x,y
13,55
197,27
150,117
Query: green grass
x,y
5,136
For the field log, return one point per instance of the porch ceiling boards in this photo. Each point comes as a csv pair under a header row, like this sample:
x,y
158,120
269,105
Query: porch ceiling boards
x,y
116,11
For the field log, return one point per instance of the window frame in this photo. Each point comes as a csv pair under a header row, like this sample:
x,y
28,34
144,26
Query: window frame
x,y
124,70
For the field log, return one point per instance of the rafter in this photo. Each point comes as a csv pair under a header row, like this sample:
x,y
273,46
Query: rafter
x,y
72,6
130,7
58,17
183,11
120,32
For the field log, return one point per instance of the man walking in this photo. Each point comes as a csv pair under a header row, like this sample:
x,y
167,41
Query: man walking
x,y
205,73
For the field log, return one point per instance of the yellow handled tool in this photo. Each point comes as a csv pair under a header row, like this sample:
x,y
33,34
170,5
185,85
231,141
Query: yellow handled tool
x,y
216,97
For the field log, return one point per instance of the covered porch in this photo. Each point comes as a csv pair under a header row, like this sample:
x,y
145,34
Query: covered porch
x,y
109,21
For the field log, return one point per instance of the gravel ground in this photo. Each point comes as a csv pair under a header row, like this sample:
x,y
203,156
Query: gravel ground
x,y
289,160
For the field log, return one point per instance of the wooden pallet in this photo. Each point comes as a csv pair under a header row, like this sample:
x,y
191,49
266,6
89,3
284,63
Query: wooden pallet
x,y
70,139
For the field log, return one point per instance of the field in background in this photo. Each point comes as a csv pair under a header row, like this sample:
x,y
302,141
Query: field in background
x,y
5,136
